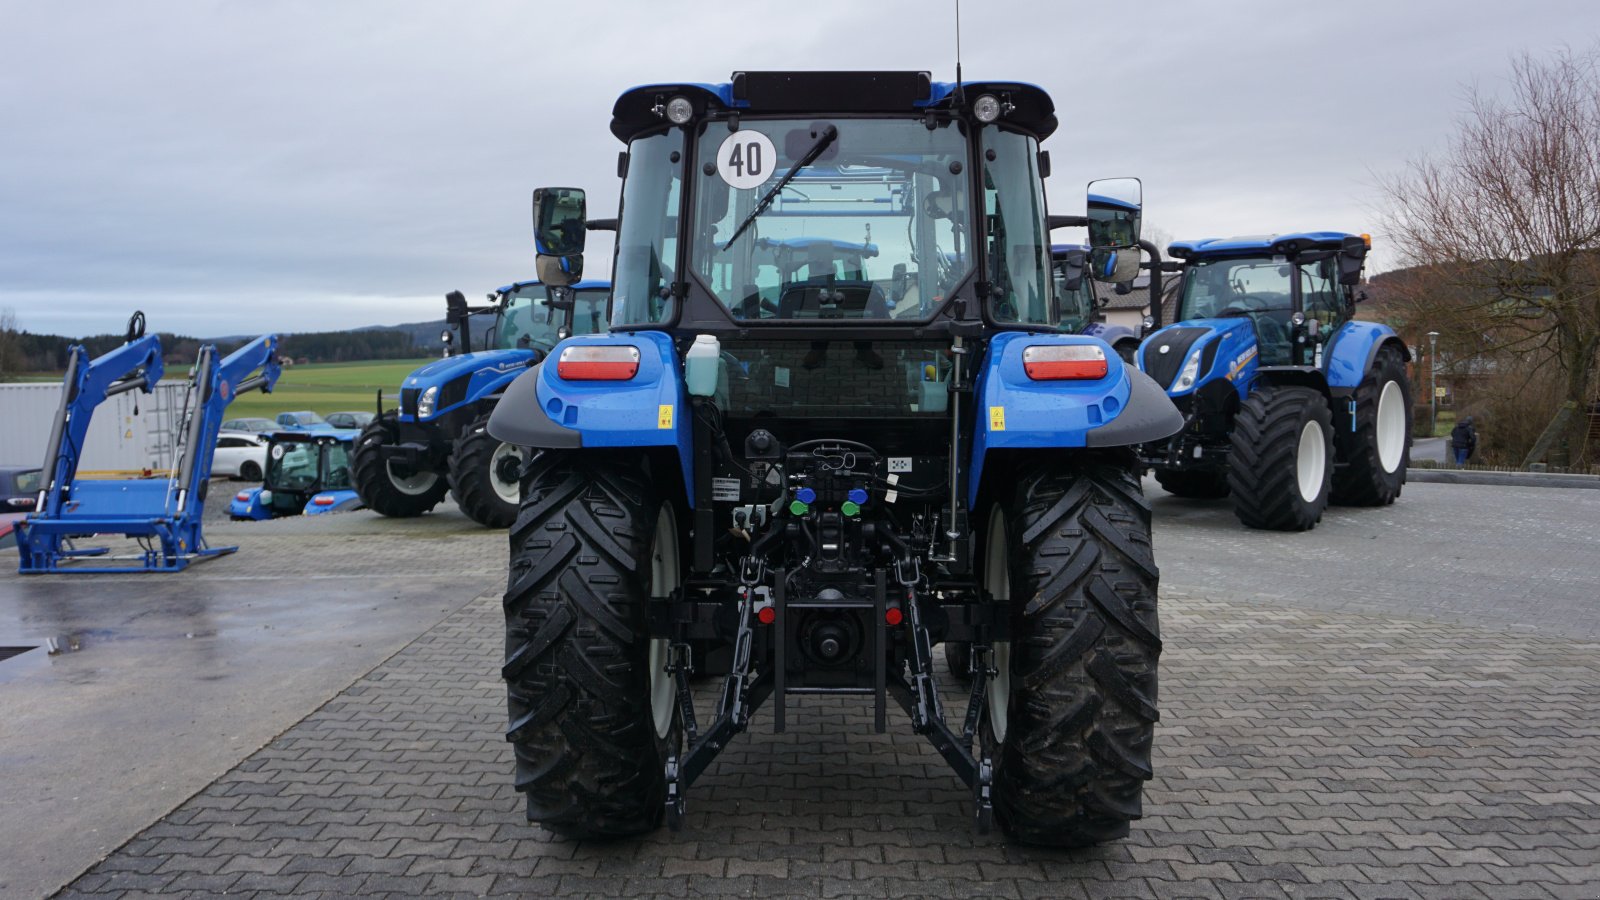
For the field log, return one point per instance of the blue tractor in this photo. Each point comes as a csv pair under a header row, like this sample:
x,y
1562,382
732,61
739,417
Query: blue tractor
x,y
406,460
1288,401
308,473
835,422
1081,303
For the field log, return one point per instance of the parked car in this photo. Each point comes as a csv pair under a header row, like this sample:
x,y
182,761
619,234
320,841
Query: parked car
x,y
240,455
255,425
350,419
19,488
304,420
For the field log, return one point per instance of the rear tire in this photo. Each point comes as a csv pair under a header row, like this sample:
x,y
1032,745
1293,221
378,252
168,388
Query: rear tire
x,y
1196,485
1072,751
381,489
1280,464
485,476
1378,451
249,471
585,712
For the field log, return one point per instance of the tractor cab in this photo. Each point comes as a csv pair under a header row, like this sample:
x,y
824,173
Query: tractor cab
x,y
307,472
529,315
1293,290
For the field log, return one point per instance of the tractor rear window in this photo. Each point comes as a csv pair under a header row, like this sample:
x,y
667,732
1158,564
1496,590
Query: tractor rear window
x,y
873,227
835,379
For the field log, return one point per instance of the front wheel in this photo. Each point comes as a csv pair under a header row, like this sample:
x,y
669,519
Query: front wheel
x,y
1377,450
1072,709
1280,462
592,709
249,471
384,489
485,476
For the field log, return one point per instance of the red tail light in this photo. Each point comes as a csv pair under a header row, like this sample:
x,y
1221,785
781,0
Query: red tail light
x,y
323,500
603,363
242,497
1062,362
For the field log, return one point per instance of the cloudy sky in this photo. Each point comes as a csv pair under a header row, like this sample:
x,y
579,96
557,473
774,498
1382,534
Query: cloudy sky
x,y
286,165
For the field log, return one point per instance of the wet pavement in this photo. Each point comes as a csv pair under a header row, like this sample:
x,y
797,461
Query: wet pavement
x,y
1401,703
162,683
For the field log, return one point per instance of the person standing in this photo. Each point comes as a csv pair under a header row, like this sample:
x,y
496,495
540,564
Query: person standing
x,y
1463,441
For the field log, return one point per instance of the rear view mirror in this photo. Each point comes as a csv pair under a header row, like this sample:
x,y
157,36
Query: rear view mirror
x,y
1116,266
558,221
455,308
1352,255
1114,211
558,234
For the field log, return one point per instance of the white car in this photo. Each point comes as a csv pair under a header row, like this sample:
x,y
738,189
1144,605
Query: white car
x,y
240,456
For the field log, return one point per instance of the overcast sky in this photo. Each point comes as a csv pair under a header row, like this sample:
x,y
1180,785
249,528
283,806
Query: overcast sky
x,y
235,167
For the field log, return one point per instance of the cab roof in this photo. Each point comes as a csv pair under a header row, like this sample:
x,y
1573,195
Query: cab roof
x,y
590,285
822,93
1257,244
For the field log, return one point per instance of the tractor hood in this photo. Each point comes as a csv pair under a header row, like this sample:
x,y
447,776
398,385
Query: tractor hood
x,y
441,371
1221,346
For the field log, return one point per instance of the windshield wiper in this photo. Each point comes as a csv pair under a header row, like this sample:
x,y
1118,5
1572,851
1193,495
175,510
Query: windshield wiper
x,y
829,135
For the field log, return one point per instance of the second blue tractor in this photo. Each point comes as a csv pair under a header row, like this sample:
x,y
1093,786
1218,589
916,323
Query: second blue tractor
x,y
1288,402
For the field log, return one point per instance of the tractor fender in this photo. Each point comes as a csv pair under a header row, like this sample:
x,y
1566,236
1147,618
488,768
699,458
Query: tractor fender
x,y
1349,354
540,409
1016,412
249,507
339,501
1292,376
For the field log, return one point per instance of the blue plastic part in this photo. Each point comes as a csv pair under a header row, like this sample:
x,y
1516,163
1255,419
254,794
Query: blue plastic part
x,y
1014,411
332,501
595,284
1235,359
1349,353
488,371
649,410
250,507
1111,334
806,495
858,496
1253,244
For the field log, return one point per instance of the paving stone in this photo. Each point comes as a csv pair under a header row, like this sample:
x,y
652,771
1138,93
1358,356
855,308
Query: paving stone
x,y
1310,746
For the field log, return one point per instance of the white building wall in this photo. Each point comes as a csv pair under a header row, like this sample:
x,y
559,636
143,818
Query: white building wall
x,y
129,432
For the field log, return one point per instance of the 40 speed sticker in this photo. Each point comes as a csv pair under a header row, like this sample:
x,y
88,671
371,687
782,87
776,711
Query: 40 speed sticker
x,y
746,159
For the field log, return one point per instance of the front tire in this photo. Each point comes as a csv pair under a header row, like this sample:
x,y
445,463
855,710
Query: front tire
x,y
249,471
583,677
1071,743
381,488
485,476
1280,463
1195,485
1378,451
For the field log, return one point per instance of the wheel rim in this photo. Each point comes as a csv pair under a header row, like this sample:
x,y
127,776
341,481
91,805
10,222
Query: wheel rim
x,y
997,580
505,468
1391,426
413,485
664,578
1311,462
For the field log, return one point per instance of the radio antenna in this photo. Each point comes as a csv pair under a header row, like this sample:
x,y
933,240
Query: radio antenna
x,y
961,94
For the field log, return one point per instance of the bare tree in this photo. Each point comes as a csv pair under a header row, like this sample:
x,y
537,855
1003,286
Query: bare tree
x,y
1505,227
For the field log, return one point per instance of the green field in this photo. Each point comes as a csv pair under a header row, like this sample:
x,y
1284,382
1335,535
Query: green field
x,y
328,387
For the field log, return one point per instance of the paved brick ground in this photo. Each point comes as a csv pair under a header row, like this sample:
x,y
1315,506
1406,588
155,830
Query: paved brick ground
x,y
1302,754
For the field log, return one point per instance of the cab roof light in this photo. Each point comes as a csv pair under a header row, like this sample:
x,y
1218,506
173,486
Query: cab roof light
x,y
603,363
1064,362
